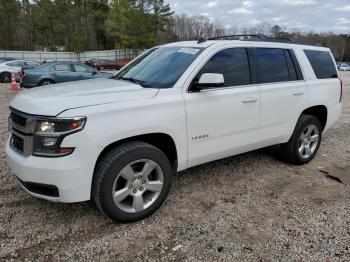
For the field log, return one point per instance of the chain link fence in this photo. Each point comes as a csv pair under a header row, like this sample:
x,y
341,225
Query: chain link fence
x,y
72,56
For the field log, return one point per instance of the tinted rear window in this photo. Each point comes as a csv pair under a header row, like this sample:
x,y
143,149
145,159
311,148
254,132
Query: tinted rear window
x,y
271,64
322,63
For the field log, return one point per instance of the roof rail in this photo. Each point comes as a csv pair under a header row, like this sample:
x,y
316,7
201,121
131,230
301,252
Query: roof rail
x,y
256,37
237,37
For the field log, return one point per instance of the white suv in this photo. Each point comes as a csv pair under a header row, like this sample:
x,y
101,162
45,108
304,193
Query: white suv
x,y
119,141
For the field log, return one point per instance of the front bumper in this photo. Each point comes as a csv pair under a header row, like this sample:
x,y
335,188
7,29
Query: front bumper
x,y
71,175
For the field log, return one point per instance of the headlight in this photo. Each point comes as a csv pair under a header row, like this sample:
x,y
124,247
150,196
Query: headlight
x,y
49,134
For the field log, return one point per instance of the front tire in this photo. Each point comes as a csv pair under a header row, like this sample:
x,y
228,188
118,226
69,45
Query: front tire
x,y
305,141
131,181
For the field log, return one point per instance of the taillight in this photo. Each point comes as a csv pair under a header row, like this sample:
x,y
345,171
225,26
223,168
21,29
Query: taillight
x,y
341,90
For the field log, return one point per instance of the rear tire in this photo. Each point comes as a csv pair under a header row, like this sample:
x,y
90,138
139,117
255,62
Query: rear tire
x,y
305,141
101,68
131,181
46,82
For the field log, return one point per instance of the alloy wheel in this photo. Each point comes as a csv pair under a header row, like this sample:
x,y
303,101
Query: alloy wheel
x,y
6,77
308,141
137,186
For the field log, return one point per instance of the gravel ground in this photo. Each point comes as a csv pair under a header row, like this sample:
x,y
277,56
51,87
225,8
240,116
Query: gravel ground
x,y
251,207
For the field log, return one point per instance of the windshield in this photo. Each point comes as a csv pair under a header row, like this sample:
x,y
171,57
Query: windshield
x,y
160,67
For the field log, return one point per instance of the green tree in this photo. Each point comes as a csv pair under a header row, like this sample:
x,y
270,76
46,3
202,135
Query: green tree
x,y
161,16
9,16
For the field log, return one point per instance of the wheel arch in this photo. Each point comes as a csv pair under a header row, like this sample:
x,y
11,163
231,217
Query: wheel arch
x,y
46,79
318,111
162,141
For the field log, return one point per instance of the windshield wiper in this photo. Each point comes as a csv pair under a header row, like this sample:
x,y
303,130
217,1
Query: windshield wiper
x,y
136,81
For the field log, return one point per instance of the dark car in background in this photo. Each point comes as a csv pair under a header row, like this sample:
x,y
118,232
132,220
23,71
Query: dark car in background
x,y
58,72
102,64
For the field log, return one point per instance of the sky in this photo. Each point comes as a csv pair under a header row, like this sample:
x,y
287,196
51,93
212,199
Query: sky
x,y
305,15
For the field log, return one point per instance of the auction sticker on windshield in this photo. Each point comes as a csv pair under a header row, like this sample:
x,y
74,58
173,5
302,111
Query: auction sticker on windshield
x,y
187,50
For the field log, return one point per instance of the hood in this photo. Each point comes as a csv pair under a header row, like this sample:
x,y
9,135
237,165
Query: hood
x,y
52,100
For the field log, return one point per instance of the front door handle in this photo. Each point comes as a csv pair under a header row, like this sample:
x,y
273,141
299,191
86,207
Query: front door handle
x,y
298,93
249,99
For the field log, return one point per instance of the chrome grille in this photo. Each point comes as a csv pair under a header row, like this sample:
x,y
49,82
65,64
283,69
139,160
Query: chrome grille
x,y
17,119
17,142
22,127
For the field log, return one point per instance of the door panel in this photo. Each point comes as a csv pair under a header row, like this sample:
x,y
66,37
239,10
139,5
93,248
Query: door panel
x,y
63,73
221,122
82,72
283,92
281,106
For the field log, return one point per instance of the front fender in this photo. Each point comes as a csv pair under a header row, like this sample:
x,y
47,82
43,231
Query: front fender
x,y
110,123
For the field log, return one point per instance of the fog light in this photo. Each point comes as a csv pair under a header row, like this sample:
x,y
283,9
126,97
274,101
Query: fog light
x,y
49,141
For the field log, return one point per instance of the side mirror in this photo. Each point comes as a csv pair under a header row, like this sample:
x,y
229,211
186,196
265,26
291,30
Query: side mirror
x,y
209,80
94,71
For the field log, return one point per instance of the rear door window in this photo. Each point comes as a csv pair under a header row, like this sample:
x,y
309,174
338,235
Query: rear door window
x,y
322,64
296,64
271,65
32,63
17,64
82,68
292,72
232,63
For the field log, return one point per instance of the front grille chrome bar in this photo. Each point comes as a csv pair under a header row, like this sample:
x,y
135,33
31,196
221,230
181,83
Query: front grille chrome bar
x,y
27,143
23,127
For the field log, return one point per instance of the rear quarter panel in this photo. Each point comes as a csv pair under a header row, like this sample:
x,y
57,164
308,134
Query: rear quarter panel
x,y
320,91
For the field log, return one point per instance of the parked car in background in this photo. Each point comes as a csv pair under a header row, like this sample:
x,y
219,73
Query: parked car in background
x,y
344,67
58,72
91,62
23,63
5,59
14,66
123,62
102,64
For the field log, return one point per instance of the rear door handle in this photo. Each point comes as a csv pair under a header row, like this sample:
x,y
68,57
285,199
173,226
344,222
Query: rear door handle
x,y
249,99
298,93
